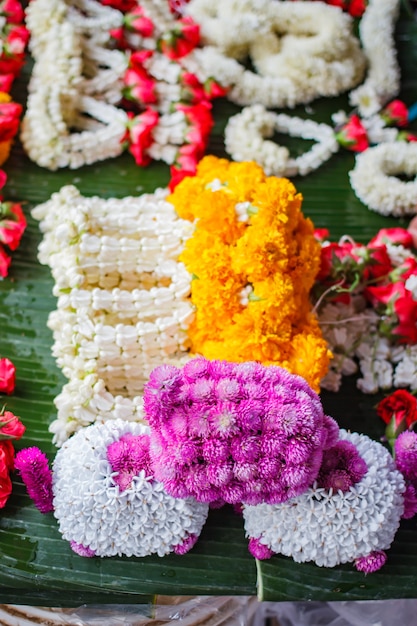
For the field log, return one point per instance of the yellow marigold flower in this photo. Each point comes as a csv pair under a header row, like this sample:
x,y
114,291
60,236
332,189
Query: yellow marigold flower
x,y
254,259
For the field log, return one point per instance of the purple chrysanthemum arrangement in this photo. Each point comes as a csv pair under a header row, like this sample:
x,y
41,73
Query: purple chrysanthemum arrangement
x,y
405,454
235,432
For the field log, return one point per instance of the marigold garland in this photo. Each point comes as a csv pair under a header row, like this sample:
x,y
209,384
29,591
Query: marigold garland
x,y
254,259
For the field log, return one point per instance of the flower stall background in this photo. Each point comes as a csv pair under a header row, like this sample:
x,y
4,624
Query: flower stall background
x,y
36,565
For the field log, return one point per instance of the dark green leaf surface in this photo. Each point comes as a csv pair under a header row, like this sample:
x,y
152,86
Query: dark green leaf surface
x,y
36,565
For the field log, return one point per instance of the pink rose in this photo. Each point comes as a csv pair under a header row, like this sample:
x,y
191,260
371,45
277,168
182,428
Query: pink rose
x,y
10,426
395,235
395,113
7,376
353,135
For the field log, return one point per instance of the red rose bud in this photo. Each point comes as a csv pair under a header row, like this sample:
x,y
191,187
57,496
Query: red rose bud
x,y
180,41
214,89
321,234
412,229
5,261
12,11
404,135
395,235
356,8
10,426
137,22
12,224
395,113
7,376
139,135
398,411
353,135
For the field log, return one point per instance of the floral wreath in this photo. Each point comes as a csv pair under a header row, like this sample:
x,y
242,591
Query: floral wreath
x,y
238,433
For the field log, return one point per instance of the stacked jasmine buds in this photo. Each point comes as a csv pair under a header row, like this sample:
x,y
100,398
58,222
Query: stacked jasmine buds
x,y
226,432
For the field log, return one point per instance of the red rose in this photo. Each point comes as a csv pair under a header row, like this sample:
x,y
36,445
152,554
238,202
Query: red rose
x,y
379,263
139,135
353,135
400,408
7,454
357,8
6,81
12,224
13,11
395,113
395,235
179,42
5,485
10,426
7,376
137,21
5,261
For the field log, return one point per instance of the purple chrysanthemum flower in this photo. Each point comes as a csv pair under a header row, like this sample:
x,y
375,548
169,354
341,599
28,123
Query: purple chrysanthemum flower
x,y
372,562
186,545
406,454
254,433
259,550
342,467
33,466
128,456
410,501
81,550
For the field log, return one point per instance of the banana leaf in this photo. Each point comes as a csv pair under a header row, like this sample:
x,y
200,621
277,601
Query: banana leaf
x,y
36,565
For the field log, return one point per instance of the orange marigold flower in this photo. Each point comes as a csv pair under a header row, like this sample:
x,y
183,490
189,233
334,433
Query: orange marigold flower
x,y
254,259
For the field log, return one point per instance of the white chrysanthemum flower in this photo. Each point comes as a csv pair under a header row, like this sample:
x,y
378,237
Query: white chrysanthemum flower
x,y
411,285
331,528
93,512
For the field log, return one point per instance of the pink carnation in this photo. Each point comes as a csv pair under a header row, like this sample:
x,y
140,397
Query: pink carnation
x,y
234,432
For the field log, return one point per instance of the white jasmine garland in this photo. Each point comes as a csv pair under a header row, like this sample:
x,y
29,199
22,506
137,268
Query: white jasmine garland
x,y
123,300
382,82
374,178
330,528
272,35
71,119
246,133
92,510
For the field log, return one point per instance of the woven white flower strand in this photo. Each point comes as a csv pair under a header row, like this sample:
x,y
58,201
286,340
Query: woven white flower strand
x,y
331,528
375,181
71,119
123,300
246,133
300,50
94,512
382,81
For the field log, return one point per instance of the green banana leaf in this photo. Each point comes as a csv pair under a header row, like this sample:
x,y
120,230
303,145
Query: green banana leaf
x,y
36,565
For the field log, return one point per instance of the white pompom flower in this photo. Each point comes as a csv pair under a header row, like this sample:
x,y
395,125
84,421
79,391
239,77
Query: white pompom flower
x,y
332,528
101,518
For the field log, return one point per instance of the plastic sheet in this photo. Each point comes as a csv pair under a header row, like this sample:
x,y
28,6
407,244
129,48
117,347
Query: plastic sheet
x,y
354,613
180,610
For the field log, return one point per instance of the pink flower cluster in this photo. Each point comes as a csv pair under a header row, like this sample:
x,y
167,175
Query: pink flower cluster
x,y
349,267
226,432
141,93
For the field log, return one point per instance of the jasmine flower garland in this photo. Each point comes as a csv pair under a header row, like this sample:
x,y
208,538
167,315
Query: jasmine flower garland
x,y
123,300
64,41
382,81
375,181
330,527
273,34
246,133
107,501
